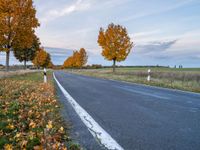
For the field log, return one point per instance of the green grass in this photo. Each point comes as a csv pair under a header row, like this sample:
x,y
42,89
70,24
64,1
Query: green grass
x,y
36,77
184,79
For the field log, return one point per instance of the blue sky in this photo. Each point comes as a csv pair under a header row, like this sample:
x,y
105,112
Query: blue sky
x,y
164,32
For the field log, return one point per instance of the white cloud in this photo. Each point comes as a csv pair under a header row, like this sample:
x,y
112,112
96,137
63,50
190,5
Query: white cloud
x,y
144,37
158,45
79,5
188,43
142,34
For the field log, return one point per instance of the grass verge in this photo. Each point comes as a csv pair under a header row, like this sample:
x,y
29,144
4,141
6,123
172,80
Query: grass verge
x,y
30,114
182,79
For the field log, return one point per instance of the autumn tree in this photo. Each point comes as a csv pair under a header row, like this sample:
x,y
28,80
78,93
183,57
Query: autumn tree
x,y
50,65
17,22
83,57
27,54
77,60
42,59
68,63
115,42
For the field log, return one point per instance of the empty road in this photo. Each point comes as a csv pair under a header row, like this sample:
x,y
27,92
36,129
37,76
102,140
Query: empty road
x,y
137,117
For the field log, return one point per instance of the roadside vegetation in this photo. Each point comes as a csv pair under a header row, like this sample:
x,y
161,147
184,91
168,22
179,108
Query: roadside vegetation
x,y
30,115
18,23
77,60
4,74
183,79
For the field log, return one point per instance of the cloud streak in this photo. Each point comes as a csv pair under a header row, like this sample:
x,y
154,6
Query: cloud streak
x,y
79,5
157,11
154,48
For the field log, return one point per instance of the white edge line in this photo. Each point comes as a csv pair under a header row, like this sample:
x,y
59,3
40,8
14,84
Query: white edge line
x,y
95,129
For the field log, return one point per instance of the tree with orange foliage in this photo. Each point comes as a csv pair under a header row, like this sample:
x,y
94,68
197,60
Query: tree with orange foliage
x,y
83,57
115,42
42,59
68,62
27,54
50,65
77,60
17,23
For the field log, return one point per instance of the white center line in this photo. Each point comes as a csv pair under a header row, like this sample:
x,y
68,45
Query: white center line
x,y
95,129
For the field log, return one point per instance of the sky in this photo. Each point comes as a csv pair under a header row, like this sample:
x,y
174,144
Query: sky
x,y
163,32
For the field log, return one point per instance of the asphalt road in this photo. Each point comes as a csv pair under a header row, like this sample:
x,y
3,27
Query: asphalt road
x,y
138,117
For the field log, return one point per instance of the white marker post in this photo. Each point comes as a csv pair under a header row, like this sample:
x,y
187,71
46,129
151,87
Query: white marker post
x,y
45,75
149,75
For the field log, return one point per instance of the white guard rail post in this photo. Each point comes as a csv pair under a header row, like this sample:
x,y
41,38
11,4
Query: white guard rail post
x,y
45,75
149,75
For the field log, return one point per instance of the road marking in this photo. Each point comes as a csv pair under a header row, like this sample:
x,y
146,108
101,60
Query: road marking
x,y
95,129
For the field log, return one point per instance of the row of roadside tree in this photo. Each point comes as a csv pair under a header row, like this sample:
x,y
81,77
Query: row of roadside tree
x,y
77,60
115,43
18,23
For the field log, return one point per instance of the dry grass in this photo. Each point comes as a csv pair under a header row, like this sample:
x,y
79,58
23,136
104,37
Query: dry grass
x,y
4,74
184,79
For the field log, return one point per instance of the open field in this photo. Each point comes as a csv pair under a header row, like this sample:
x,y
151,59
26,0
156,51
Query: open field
x,y
30,114
183,79
4,74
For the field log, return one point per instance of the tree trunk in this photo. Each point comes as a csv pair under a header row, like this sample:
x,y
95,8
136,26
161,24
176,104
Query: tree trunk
x,y
24,64
114,65
7,60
